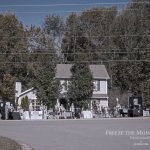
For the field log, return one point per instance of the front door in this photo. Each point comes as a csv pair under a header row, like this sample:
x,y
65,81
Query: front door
x,y
63,102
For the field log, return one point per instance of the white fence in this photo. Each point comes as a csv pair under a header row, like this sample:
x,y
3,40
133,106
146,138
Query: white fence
x,y
33,115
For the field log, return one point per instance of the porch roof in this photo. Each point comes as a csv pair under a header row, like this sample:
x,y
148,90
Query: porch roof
x,y
25,92
100,96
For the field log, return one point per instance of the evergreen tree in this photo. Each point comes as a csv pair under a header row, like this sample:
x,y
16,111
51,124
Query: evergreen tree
x,y
81,85
43,70
25,104
46,85
12,47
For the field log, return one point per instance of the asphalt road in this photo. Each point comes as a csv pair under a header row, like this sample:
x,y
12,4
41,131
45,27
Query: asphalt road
x,y
103,134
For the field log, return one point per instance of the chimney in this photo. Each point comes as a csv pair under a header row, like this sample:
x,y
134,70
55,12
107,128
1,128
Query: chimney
x,y
18,88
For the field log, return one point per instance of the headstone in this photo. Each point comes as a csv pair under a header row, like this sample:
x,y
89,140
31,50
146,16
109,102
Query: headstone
x,y
146,113
16,116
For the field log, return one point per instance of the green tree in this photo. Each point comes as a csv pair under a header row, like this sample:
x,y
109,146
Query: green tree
x,y
25,103
81,85
132,41
88,34
145,86
39,48
42,71
12,46
54,28
7,88
46,85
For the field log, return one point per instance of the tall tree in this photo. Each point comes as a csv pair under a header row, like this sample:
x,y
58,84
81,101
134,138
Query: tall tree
x,y
25,103
81,85
42,67
54,28
45,84
88,34
132,41
7,87
12,45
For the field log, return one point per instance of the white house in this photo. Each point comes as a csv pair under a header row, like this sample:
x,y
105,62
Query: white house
x,y
100,80
100,93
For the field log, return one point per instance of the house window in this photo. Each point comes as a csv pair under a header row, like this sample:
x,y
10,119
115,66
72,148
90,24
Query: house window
x,y
35,105
94,86
98,85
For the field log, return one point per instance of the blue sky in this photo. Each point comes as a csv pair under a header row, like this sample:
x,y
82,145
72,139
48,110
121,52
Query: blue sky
x,y
33,11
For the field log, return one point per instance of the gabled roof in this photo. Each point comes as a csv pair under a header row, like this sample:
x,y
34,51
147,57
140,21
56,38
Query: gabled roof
x,y
25,92
63,71
98,71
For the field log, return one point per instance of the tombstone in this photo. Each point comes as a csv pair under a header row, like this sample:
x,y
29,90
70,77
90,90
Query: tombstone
x,y
16,116
135,106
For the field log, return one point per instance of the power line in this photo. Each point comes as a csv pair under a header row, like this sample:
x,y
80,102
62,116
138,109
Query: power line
x,y
127,35
134,35
88,52
73,11
75,4
82,61
94,50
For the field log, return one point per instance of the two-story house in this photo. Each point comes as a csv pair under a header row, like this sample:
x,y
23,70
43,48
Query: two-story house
x,y
100,78
63,73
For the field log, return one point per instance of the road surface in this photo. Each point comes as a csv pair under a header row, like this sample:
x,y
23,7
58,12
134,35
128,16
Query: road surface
x,y
102,134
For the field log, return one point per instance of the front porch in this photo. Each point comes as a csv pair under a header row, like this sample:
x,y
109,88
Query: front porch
x,y
99,102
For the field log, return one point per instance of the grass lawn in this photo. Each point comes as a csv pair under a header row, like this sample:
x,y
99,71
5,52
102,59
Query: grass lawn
x,y
8,144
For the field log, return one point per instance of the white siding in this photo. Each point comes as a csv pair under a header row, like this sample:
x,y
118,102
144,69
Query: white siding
x,y
18,88
103,87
